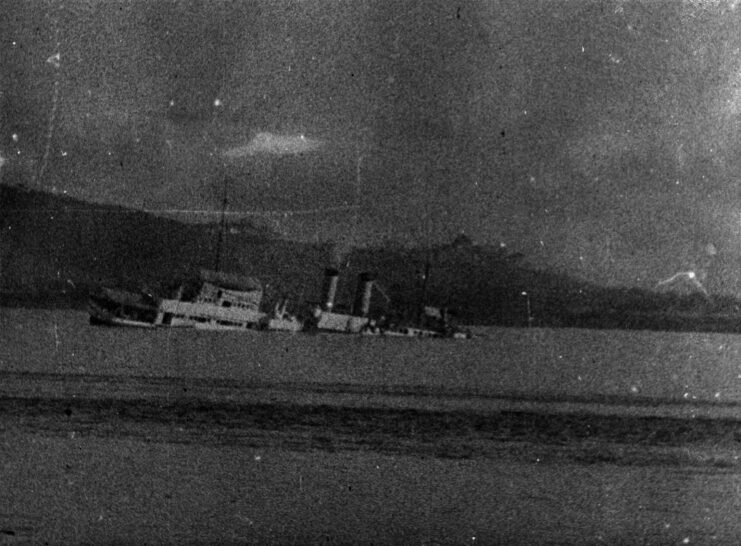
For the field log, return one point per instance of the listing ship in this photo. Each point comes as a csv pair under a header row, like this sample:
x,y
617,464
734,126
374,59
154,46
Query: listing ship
x,y
223,301
215,301
432,322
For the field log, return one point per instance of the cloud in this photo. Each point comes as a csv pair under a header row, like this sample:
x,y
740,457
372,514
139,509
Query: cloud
x,y
271,144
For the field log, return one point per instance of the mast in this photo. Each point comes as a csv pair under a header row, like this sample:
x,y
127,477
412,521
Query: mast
x,y
357,197
425,279
423,295
222,224
427,266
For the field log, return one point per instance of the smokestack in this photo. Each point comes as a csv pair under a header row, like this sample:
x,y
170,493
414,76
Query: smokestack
x,y
361,306
329,290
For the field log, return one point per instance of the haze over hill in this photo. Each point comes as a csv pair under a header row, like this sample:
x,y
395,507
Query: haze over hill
x,y
53,243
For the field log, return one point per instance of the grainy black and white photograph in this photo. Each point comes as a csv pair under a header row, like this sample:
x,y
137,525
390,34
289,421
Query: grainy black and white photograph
x,y
370,272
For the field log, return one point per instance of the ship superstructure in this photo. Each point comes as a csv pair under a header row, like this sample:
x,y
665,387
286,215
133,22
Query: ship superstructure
x,y
216,300
433,322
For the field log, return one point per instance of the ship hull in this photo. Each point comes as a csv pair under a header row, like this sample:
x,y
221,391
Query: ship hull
x,y
100,316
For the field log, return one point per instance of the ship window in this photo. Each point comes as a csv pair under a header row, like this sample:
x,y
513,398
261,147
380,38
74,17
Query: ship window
x,y
227,304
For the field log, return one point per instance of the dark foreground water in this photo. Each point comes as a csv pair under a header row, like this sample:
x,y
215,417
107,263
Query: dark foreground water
x,y
114,436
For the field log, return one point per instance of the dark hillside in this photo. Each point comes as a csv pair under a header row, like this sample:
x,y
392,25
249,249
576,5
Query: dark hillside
x,y
54,249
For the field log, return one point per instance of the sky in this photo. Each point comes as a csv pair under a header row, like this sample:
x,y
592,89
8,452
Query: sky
x,y
601,139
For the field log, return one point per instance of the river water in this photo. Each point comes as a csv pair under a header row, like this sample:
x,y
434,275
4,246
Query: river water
x,y
518,436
